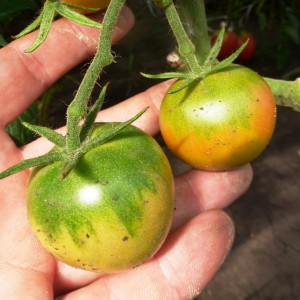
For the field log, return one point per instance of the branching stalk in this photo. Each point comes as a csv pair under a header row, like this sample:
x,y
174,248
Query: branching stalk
x,y
185,46
287,93
77,109
193,16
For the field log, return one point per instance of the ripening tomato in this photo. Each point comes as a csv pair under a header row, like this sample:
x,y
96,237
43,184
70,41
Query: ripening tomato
x,y
220,122
113,211
229,44
249,50
97,4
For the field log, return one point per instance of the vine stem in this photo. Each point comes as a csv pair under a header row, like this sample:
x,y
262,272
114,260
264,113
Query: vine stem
x,y
193,15
185,46
287,93
103,57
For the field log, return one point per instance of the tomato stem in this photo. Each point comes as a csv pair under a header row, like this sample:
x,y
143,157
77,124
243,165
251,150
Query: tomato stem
x,y
185,46
287,93
78,107
193,16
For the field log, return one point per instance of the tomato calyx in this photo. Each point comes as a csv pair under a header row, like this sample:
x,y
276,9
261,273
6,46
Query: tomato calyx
x,y
50,10
61,152
210,65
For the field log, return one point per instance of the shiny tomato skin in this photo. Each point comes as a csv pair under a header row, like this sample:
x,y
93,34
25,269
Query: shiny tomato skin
x,y
249,50
229,44
221,122
112,212
97,4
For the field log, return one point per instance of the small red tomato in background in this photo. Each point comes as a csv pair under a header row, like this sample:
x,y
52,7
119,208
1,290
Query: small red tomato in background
x,y
229,45
249,50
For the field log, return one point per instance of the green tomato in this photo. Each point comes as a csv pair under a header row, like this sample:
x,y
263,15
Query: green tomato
x,y
113,211
221,122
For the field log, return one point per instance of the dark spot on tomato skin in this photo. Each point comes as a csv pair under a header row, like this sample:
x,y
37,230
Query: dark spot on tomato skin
x,y
87,235
102,181
125,238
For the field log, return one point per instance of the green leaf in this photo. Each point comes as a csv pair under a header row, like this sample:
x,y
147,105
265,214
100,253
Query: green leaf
x,y
17,131
3,41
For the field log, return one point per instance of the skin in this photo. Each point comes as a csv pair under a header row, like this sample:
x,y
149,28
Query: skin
x,y
201,235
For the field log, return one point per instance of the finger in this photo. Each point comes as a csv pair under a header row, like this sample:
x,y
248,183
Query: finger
x,y
198,191
66,46
182,268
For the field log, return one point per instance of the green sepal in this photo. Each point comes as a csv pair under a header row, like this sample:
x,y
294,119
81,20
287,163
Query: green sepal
x,y
91,116
109,133
70,14
47,16
228,61
31,27
43,160
45,19
186,83
81,7
88,145
51,135
215,50
167,75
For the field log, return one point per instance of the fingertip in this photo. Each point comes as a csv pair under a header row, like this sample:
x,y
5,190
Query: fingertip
x,y
196,251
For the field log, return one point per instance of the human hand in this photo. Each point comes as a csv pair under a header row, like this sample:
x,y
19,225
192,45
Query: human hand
x,y
201,234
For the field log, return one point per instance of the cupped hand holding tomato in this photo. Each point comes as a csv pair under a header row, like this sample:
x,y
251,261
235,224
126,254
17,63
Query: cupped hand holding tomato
x,y
184,261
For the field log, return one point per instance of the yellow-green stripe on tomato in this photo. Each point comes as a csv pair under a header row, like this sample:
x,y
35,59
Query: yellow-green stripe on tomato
x,y
113,211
